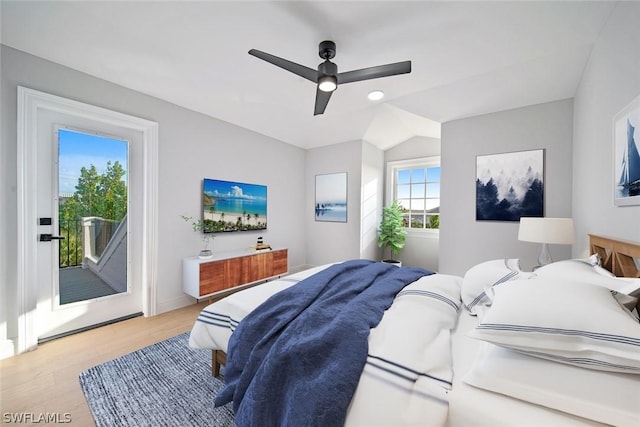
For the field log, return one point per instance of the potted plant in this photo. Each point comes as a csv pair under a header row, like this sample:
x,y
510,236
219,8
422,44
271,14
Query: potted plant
x,y
198,225
392,234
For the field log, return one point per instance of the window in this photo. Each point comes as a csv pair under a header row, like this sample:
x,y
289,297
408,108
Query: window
x,y
415,184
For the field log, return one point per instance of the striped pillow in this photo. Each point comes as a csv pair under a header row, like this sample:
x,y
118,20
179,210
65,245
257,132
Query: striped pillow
x,y
570,322
480,279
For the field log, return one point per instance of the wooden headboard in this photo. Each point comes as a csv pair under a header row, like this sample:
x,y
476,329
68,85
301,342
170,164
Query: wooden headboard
x,y
618,256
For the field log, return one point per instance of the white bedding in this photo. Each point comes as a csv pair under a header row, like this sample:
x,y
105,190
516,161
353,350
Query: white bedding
x,y
408,373
472,406
405,384
495,386
217,321
414,338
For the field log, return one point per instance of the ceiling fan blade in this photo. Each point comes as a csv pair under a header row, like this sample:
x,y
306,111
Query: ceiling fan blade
x,y
300,70
322,99
375,72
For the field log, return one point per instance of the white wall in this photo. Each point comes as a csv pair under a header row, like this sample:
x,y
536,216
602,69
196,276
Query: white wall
x,y
418,146
420,250
333,241
366,169
372,196
204,147
611,80
357,238
191,146
464,241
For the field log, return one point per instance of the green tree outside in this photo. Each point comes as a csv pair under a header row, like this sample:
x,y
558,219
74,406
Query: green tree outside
x,y
101,195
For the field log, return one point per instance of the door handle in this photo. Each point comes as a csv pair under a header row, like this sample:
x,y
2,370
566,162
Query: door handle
x,y
49,237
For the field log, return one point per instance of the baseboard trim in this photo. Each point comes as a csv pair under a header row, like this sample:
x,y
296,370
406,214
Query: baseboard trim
x,y
7,349
88,328
299,268
174,304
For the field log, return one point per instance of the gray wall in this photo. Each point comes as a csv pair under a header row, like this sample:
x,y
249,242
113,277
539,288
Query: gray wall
x,y
611,80
191,146
333,241
421,249
464,241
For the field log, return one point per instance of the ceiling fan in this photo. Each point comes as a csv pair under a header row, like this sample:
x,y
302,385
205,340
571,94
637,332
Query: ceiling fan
x,y
327,77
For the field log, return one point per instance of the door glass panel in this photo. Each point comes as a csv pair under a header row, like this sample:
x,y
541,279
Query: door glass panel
x,y
92,216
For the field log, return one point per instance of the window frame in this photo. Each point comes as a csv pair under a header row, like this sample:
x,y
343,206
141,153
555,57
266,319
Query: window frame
x,y
390,193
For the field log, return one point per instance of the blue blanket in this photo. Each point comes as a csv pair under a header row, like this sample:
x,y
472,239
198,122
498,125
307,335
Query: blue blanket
x,y
297,358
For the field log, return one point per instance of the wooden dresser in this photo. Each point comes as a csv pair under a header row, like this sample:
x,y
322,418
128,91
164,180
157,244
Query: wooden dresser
x,y
204,277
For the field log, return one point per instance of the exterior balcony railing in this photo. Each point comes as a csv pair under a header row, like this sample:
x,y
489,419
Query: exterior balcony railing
x,y
84,238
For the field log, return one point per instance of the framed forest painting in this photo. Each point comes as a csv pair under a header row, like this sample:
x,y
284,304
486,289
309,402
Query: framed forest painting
x,y
510,185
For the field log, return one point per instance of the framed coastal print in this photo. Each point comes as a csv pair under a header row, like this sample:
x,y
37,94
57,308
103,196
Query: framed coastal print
x,y
510,185
626,145
331,197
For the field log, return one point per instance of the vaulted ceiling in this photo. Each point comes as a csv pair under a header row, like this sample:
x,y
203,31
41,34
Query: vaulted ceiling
x,y
468,58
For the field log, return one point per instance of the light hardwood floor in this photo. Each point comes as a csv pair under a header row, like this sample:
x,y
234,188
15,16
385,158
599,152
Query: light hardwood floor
x,y
45,381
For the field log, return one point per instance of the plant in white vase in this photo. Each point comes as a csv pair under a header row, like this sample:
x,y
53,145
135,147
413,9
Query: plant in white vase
x,y
391,232
198,225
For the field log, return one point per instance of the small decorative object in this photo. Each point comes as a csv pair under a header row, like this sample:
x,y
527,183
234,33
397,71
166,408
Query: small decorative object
x,y
199,226
392,235
331,197
261,246
626,169
510,185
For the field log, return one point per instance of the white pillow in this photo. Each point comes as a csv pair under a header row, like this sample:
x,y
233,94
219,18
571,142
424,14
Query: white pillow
x,y
582,271
569,322
606,397
595,260
485,276
586,272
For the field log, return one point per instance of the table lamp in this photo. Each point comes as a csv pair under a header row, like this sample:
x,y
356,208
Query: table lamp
x,y
555,231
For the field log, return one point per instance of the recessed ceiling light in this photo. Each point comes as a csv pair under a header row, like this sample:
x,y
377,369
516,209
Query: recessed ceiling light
x,y
375,95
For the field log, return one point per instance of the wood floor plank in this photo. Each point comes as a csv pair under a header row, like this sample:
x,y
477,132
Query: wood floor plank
x,y
45,381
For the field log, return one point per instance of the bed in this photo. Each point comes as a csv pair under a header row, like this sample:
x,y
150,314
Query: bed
x,y
441,354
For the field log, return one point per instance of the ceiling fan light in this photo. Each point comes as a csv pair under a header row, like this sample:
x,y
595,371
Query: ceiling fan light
x,y
327,83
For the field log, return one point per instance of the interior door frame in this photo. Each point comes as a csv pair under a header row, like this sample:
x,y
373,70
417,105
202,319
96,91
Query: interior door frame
x,y
30,103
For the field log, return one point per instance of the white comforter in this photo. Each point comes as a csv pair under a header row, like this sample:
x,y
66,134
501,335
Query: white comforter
x,y
408,373
217,321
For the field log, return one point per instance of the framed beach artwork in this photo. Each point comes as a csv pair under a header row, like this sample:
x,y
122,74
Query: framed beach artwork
x,y
626,147
331,197
510,185
233,206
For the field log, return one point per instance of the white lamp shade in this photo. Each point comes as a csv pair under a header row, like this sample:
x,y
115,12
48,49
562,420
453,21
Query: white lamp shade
x,y
557,231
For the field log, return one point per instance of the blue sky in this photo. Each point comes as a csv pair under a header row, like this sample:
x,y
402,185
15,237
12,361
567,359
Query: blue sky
x,y
77,149
234,189
331,188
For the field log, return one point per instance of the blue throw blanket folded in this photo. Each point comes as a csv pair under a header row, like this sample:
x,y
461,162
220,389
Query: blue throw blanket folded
x,y
297,358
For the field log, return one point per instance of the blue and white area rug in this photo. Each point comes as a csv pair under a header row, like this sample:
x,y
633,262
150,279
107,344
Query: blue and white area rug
x,y
165,384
